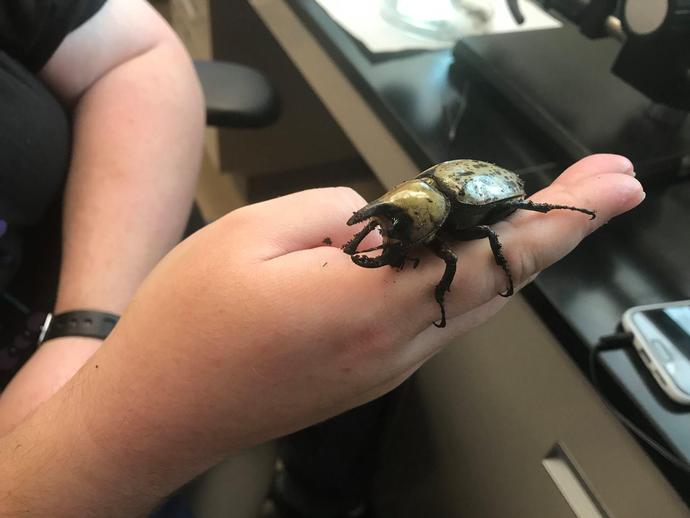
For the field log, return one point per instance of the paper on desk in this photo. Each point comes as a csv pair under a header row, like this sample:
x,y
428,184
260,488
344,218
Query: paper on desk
x,y
362,19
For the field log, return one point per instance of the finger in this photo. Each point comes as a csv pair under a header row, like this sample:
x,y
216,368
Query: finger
x,y
594,165
300,221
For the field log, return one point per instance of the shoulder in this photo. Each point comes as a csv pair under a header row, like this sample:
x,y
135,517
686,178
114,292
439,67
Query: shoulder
x,y
122,31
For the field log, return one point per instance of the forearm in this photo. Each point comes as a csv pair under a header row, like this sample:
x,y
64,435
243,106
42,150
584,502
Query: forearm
x,y
52,465
56,464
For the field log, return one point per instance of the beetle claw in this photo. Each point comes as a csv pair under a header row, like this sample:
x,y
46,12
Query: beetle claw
x,y
442,323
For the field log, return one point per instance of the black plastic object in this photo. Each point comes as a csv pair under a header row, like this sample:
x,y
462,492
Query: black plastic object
x,y
559,83
237,96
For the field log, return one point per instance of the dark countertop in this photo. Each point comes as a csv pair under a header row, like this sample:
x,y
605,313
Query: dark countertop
x,y
639,258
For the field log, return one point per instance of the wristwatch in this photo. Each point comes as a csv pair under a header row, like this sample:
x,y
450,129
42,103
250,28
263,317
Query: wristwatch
x,y
89,323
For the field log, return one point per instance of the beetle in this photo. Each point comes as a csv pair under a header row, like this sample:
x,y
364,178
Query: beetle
x,y
456,200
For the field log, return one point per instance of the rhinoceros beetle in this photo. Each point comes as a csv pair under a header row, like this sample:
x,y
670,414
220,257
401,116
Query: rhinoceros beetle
x,y
455,200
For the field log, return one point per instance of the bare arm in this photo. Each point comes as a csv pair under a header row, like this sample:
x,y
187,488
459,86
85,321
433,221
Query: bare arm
x,y
252,328
137,138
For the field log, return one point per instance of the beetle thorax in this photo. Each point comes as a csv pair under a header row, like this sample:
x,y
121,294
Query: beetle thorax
x,y
413,212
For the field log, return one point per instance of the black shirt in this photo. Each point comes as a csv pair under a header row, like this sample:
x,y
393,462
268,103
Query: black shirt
x,y
35,141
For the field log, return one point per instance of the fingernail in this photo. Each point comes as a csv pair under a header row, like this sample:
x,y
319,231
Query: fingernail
x,y
635,198
626,166
632,194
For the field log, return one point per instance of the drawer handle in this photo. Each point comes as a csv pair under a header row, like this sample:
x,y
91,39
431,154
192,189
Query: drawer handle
x,y
572,484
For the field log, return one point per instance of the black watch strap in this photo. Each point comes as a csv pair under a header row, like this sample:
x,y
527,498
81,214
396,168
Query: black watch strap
x,y
94,324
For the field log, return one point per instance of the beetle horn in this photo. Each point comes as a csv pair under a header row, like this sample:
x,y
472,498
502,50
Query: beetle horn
x,y
375,208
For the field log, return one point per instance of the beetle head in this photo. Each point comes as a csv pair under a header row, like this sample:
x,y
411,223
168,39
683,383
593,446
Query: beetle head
x,y
410,214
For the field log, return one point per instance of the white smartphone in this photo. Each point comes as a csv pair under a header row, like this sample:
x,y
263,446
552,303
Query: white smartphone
x,y
662,339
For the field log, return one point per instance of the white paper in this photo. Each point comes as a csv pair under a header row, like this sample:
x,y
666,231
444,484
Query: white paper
x,y
363,20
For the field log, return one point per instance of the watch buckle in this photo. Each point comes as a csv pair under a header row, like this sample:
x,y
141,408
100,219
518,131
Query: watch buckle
x,y
44,329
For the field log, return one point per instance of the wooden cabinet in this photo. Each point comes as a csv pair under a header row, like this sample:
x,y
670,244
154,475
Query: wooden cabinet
x,y
502,424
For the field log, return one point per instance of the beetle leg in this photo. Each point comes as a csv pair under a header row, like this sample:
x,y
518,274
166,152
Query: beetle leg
x,y
483,231
442,250
351,246
545,207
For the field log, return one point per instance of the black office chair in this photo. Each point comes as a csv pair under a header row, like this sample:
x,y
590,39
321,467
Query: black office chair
x,y
237,96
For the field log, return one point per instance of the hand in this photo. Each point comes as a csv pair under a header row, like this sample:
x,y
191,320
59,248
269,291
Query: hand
x,y
288,331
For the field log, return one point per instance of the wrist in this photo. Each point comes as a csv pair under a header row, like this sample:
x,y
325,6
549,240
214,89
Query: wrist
x,y
87,323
